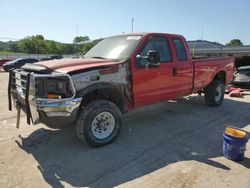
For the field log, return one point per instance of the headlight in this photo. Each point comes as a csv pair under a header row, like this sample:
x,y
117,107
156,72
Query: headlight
x,y
54,96
59,87
54,87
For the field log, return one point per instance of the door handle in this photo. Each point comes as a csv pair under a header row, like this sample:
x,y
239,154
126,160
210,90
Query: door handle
x,y
174,72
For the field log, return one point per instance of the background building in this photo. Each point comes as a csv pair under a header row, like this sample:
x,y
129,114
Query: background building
x,y
203,48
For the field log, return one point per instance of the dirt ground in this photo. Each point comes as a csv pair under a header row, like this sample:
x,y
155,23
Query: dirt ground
x,y
174,144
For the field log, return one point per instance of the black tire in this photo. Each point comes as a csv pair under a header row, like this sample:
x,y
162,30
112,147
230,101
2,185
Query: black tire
x,y
214,93
90,117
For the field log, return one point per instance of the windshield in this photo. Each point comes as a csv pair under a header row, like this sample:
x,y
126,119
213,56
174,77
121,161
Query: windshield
x,y
118,47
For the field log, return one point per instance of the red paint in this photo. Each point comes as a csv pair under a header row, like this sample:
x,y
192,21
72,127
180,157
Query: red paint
x,y
206,69
152,85
110,70
71,65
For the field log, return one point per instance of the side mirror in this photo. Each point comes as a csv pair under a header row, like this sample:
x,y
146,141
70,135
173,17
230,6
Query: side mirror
x,y
153,58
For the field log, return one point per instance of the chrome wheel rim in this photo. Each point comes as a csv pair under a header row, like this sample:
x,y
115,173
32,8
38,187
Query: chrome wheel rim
x,y
218,93
103,125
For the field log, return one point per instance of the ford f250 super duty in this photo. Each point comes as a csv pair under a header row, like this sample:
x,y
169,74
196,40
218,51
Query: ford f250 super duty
x,y
120,73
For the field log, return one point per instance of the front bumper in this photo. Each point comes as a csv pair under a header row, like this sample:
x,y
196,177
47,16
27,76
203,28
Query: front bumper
x,y
57,111
41,110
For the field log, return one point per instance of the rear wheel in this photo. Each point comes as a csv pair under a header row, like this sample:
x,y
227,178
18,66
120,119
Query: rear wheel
x,y
214,93
99,123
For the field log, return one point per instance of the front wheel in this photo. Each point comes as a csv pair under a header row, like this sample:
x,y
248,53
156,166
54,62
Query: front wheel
x,y
214,93
99,123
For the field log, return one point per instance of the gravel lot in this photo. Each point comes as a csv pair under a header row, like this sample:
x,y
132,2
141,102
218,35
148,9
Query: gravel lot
x,y
174,144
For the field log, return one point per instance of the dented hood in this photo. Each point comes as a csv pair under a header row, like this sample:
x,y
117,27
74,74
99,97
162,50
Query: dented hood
x,y
71,65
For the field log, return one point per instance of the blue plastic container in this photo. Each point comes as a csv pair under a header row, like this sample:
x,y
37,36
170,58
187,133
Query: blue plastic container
x,y
233,147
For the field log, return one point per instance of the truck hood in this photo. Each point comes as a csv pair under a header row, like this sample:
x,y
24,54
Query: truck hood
x,y
69,65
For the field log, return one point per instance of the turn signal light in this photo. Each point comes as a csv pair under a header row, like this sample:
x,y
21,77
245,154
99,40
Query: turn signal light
x,y
54,96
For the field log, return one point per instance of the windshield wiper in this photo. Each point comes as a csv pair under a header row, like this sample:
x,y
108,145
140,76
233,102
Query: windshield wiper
x,y
98,57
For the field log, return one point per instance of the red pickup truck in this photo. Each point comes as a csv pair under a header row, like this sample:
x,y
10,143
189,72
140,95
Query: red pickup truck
x,y
117,75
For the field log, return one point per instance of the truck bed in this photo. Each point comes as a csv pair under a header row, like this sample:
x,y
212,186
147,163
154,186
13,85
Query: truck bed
x,y
205,69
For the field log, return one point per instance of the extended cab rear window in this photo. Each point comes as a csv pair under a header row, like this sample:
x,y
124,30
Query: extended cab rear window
x,y
180,49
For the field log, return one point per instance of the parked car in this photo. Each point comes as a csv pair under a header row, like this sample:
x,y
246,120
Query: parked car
x,y
52,57
242,73
3,61
242,61
17,63
242,77
117,75
45,59
56,56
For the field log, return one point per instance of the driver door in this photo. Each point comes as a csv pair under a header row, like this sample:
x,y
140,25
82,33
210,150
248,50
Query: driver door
x,y
154,84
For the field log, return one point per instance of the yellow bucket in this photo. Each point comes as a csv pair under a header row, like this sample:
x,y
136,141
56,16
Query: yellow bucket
x,y
235,133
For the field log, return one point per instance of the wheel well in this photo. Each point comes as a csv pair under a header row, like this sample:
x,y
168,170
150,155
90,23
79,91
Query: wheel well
x,y
110,94
221,76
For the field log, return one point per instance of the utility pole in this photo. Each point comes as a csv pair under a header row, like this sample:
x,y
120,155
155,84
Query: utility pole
x,y
132,25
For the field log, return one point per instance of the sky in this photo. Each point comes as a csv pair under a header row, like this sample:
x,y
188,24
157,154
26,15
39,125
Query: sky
x,y
212,20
